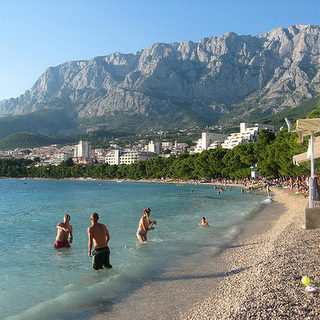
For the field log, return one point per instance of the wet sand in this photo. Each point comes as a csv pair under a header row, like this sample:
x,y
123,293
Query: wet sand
x,y
254,278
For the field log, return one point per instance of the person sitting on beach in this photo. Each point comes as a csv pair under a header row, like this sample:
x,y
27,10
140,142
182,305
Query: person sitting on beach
x,y
144,225
203,222
99,236
64,233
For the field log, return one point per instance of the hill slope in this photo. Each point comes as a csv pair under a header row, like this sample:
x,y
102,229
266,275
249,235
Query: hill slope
x,y
23,140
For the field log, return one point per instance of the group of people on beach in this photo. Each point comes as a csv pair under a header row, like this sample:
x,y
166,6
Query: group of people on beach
x,y
98,237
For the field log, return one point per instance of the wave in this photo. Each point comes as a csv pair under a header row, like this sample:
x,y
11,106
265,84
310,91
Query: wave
x,y
65,305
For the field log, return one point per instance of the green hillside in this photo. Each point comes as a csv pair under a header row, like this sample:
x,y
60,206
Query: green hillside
x,y
48,126
293,114
47,122
24,140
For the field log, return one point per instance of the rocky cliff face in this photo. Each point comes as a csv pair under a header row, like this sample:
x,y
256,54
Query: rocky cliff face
x,y
217,75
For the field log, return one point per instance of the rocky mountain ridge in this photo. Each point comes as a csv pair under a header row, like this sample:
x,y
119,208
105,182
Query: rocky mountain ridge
x,y
217,76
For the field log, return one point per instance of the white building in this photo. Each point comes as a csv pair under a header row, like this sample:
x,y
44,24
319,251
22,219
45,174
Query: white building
x,y
248,133
99,155
154,147
117,157
209,140
82,150
59,157
166,145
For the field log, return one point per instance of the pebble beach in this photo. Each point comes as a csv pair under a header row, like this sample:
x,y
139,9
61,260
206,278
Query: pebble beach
x,y
256,277
269,265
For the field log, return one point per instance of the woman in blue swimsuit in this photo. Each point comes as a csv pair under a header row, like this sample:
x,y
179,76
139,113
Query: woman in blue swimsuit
x,y
144,225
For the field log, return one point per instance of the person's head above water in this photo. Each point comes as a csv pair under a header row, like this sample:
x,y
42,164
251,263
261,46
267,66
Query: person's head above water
x,y
147,212
203,222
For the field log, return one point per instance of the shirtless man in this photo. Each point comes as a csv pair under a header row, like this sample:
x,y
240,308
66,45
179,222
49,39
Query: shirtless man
x,y
64,233
144,225
98,235
203,222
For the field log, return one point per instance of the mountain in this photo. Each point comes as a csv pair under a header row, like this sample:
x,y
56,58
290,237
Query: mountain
x,y
224,79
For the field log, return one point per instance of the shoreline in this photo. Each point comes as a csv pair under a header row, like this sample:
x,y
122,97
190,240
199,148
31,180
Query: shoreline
x,y
154,180
266,287
253,278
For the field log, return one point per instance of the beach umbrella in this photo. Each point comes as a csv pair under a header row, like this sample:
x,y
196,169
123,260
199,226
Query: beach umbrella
x,y
304,128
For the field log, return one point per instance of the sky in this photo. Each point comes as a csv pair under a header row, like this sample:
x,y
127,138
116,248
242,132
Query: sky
x,y
38,34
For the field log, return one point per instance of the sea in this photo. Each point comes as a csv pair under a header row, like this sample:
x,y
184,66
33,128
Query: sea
x,y
40,282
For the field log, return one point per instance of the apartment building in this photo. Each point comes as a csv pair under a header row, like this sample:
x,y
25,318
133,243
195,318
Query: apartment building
x,y
82,150
117,157
209,140
154,146
248,133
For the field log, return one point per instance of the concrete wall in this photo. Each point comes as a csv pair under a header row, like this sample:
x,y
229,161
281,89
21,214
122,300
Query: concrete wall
x,y
312,218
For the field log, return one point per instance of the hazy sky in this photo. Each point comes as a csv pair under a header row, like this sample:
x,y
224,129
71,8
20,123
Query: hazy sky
x,y
37,34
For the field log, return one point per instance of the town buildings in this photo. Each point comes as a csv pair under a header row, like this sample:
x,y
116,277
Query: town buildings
x,y
117,157
209,140
154,147
83,154
82,150
248,133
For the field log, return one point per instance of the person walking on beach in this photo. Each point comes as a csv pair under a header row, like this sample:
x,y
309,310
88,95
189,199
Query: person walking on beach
x,y
64,233
144,225
203,222
99,237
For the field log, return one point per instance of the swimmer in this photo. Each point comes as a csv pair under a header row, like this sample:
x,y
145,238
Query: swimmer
x,y
98,235
64,233
203,222
144,225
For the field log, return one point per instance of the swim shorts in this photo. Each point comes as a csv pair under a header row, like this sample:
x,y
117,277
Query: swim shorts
x,y
144,236
59,244
101,257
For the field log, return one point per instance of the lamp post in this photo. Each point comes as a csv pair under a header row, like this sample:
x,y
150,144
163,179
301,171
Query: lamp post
x,y
311,179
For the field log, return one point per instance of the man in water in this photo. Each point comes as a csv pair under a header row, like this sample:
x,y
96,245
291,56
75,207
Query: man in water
x,y
203,222
98,235
64,235
144,225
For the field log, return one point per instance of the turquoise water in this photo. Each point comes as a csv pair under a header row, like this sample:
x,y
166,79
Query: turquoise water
x,y
39,282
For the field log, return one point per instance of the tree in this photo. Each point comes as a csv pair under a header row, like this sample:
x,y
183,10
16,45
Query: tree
x,y
77,171
314,113
281,154
215,161
236,164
